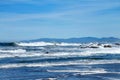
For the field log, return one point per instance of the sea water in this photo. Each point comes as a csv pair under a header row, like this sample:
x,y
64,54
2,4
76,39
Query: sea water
x,y
59,61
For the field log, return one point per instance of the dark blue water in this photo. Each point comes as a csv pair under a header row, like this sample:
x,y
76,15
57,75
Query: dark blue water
x,y
59,63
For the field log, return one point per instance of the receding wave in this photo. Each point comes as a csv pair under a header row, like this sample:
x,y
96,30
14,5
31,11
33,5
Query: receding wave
x,y
82,72
68,63
13,51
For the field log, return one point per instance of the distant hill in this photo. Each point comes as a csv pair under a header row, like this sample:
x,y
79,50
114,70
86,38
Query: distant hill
x,y
78,40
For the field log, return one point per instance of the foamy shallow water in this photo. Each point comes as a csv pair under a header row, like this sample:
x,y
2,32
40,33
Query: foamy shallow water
x,y
65,61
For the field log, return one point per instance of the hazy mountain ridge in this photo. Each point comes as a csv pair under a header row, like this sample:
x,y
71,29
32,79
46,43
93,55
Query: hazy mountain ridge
x,y
77,40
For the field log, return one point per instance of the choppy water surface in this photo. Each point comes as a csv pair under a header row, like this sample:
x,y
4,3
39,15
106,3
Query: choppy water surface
x,y
59,61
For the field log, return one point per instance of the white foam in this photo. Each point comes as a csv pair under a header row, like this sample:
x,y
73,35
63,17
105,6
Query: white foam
x,y
68,44
47,44
35,44
85,52
13,51
82,71
12,55
47,64
88,71
103,51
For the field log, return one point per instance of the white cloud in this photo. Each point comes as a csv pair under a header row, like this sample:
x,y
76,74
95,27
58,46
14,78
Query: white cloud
x,y
19,17
74,10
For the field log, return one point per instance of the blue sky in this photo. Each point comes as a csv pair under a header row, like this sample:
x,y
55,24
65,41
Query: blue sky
x,y
32,19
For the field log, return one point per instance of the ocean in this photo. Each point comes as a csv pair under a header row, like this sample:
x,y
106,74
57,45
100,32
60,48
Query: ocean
x,y
59,61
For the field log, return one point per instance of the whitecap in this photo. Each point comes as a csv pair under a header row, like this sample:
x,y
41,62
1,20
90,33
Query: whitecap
x,y
35,44
83,53
47,44
13,51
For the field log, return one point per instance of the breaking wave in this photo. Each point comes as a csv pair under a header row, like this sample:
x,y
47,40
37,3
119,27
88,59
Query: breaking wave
x,y
83,53
50,60
8,44
47,44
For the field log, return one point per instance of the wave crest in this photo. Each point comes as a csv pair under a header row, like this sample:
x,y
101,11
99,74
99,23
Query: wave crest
x,y
8,44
